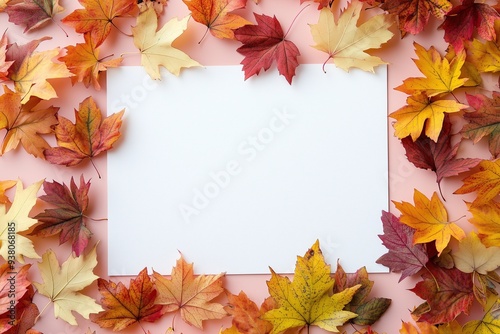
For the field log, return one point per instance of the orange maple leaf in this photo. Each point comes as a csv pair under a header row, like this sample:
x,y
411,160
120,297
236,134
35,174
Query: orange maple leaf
x,y
430,220
88,137
83,61
485,182
189,294
97,17
441,75
124,307
4,186
23,124
217,16
486,218
247,315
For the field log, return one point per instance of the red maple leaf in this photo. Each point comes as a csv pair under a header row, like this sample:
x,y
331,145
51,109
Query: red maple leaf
x,y
448,293
67,218
440,156
462,20
265,43
403,255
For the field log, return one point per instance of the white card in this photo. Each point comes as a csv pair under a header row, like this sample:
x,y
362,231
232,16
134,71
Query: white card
x,y
240,176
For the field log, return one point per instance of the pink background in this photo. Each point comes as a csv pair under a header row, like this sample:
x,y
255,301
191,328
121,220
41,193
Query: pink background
x,y
404,177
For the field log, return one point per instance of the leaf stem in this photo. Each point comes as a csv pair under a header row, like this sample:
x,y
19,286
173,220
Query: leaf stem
x,y
95,219
295,18
204,35
95,167
326,61
40,313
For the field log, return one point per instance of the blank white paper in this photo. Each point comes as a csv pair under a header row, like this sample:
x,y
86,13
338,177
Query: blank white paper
x,y
240,176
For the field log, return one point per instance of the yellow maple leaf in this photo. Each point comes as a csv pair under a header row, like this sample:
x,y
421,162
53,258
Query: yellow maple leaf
x,y
410,119
473,256
62,284
156,46
345,42
441,75
13,245
486,218
31,77
308,301
490,323
485,56
430,220
485,182
4,186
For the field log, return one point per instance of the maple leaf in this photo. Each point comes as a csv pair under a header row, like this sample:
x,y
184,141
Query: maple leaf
x,y
486,182
246,315
67,219
440,156
30,77
485,55
421,328
430,220
17,220
307,300
422,112
368,311
189,294
14,284
448,293
156,46
460,22
345,42
441,75
87,138
217,15
26,314
472,256
158,5
33,13
484,121
486,218
62,284
3,4
17,54
25,125
413,15
97,17
403,255
264,44
4,64
4,186
83,61
124,307
490,323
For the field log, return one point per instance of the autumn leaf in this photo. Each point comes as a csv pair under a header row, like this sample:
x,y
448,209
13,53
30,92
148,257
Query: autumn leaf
x,y
30,77
4,64
423,114
485,55
441,75
156,46
83,61
190,295
68,217
485,182
217,15
87,138
472,256
430,220
345,42
14,284
3,4
246,315
24,124
368,310
490,323
440,156
486,218
448,293
158,5
4,186
33,13
403,255
484,121
420,328
17,220
26,314
264,44
463,20
414,15
125,306
97,17
62,284
307,300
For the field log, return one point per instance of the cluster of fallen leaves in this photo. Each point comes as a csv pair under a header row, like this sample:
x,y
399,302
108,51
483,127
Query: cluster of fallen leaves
x,y
455,269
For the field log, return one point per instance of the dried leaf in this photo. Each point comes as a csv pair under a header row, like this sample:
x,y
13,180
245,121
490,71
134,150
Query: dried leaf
x,y
33,13
485,182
